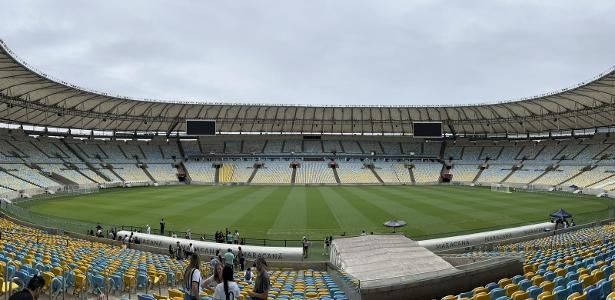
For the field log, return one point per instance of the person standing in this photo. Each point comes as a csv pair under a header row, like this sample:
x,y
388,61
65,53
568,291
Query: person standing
x,y
192,279
306,245
227,289
162,226
236,237
148,229
229,258
262,284
242,259
32,291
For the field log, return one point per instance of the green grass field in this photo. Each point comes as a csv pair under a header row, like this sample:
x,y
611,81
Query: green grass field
x,y
285,212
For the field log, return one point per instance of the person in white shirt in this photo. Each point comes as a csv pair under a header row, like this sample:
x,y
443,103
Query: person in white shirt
x,y
227,289
148,229
192,279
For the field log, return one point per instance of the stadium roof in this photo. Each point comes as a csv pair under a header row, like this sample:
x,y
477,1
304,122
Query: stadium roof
x,y
29,96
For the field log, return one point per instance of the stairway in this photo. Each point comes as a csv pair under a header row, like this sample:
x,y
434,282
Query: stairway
x,y
412,176
78,155
61,179
22,179
547,170
337,177
182,168
293,176
514,169
117,175
478,175
217,174
149,175
86,176
253,174
376,174
588,168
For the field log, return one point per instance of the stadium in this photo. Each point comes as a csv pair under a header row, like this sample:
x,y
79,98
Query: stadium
x,y
501,200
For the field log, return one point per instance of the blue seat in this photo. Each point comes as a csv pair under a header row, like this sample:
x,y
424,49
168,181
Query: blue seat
x,y
496,293
503,298
517,278
534,291
606,288
561,294
560,281
593,293
574,286
145,297
492,285
524,284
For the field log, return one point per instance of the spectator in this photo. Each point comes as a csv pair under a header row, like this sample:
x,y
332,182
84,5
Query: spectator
x,y
262,284
229,238
236,237
306,245
32,291
171,251
148,229
189,234
99,230
191,248
192,278
241,258
229,257
216,278
178,251
228,289
248,275
162,226
363,233
325,246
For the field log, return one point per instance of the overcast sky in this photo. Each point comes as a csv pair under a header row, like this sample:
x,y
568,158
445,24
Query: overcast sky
x,y
316,52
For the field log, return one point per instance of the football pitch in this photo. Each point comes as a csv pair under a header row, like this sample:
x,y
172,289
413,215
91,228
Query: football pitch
x,y
289,212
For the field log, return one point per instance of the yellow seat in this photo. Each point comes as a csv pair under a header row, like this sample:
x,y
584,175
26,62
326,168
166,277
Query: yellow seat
x,y
174,293
546,296
159,297
520,295
510,289
576,296
6,287
479,290
481,296
537,280
547,286
504,282
611,296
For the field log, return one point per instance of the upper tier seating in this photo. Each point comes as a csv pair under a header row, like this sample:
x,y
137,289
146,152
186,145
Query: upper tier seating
x,y
559,175
253,146
312,146
232,147
332,146
351,147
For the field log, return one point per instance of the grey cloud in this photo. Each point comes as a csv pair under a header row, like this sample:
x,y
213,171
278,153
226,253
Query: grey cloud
x,y
318,51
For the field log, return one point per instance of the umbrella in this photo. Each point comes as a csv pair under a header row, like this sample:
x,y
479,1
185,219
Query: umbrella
x,y
560,214
395,224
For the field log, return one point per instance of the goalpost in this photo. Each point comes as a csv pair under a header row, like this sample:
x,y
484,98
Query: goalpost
x,y
502,188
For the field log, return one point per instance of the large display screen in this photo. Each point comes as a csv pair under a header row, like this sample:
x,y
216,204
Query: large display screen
x,y
428,129
200,127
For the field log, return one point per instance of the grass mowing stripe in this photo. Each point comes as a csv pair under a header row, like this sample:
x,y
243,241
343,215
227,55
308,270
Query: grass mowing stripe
x,y
292,215
347,215
261,215
319,214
